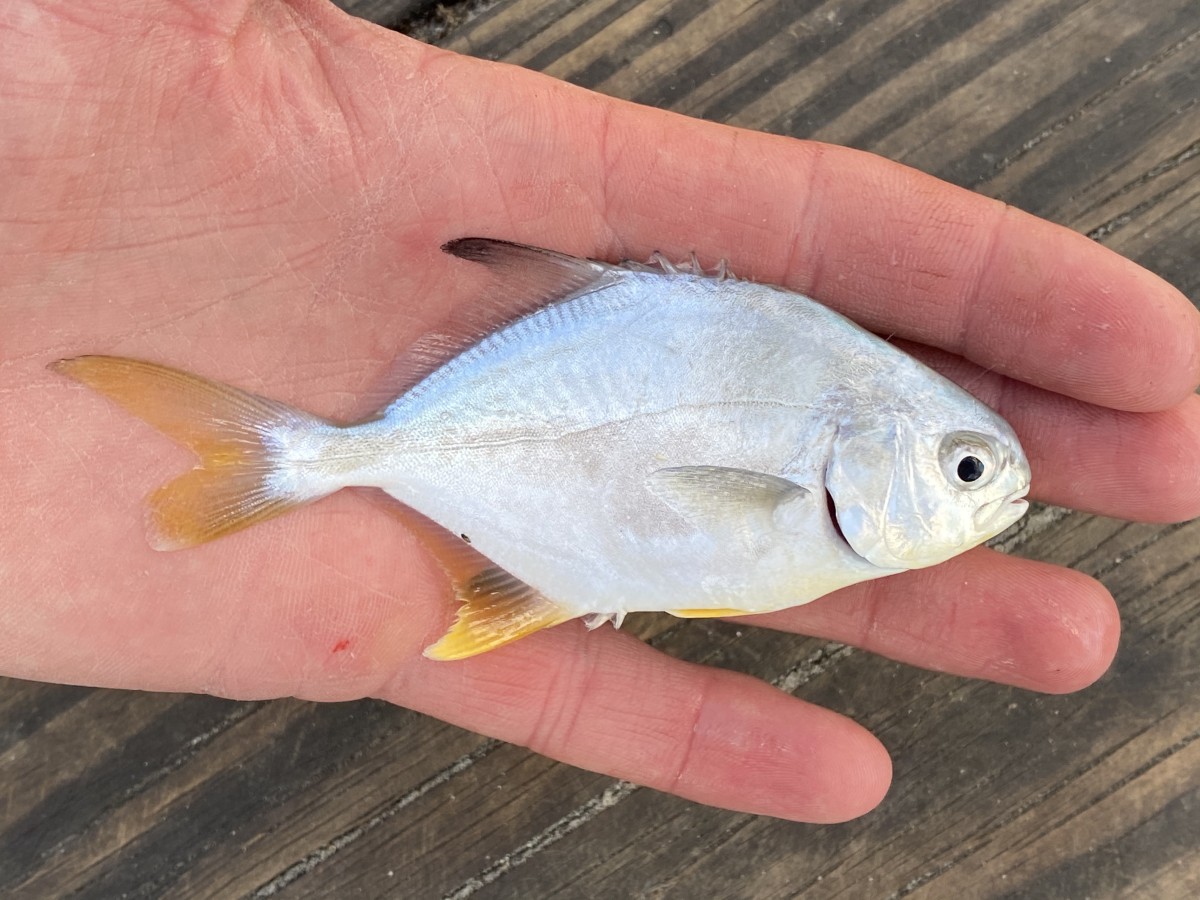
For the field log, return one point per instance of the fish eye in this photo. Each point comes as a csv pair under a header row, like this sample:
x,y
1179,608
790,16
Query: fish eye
x,y
968,460
970,468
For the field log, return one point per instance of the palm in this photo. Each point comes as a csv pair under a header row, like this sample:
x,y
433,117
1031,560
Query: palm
x,y
260,199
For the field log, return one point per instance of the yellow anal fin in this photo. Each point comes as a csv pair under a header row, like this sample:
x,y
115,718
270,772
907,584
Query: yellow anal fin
x,y
706,613
497,607
236,435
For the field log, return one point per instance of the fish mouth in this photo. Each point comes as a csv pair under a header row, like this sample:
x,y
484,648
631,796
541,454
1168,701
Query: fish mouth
x,y
998,514
1016,502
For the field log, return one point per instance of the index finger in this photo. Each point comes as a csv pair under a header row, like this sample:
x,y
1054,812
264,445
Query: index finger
x,y
903,253
898,251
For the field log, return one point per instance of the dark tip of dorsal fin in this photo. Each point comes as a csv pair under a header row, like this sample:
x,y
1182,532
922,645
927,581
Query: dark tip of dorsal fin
x,y
526,261
483,250
531,276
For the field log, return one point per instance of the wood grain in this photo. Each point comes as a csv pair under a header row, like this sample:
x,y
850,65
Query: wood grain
x,y
1082,111
389,13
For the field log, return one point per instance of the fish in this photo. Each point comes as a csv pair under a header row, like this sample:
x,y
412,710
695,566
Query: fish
x,y
638,437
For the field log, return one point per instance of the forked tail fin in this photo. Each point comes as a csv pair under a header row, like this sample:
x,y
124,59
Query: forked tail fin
x,y
243,440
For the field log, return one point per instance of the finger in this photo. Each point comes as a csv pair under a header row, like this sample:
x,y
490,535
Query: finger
x,y
336,601
1144,467
897,250
982,614
1141,466
607,702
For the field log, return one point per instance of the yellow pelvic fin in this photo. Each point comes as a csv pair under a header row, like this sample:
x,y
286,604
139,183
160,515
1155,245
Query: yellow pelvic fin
x,y
234,433
706,613
497,607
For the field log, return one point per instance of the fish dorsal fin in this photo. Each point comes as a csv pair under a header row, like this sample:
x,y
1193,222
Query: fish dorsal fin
x,y
496,606
524,280
536,276
750,505
691,266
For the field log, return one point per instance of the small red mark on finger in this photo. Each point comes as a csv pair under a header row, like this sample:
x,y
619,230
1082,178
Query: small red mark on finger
x,y
341,645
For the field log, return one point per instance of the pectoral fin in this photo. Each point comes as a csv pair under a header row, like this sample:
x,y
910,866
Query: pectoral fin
x,y
752,505
497,607
706,613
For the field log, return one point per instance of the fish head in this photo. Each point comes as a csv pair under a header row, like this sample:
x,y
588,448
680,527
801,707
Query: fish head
x,y
910,494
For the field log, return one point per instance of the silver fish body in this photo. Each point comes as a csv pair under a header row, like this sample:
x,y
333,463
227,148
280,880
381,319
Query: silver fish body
x,y
661,439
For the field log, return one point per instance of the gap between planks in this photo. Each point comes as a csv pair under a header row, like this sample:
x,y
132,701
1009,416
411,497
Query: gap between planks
x,y
1121,220
303,866
1154,61
981,836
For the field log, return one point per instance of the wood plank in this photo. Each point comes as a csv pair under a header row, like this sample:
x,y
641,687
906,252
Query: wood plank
x,y
1084,112
388,13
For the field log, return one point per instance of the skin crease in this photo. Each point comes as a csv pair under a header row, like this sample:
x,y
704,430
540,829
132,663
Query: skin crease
x,y
256,192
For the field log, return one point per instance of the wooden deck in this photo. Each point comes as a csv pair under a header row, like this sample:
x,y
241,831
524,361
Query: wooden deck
x,y
1082,111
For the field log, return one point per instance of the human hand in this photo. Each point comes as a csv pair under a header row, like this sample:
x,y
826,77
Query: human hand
x,y
258,192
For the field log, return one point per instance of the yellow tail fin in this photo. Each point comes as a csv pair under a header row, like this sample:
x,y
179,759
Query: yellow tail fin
x,y
239,437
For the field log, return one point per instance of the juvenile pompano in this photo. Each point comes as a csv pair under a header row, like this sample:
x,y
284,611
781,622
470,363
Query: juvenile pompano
x,y
652,439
